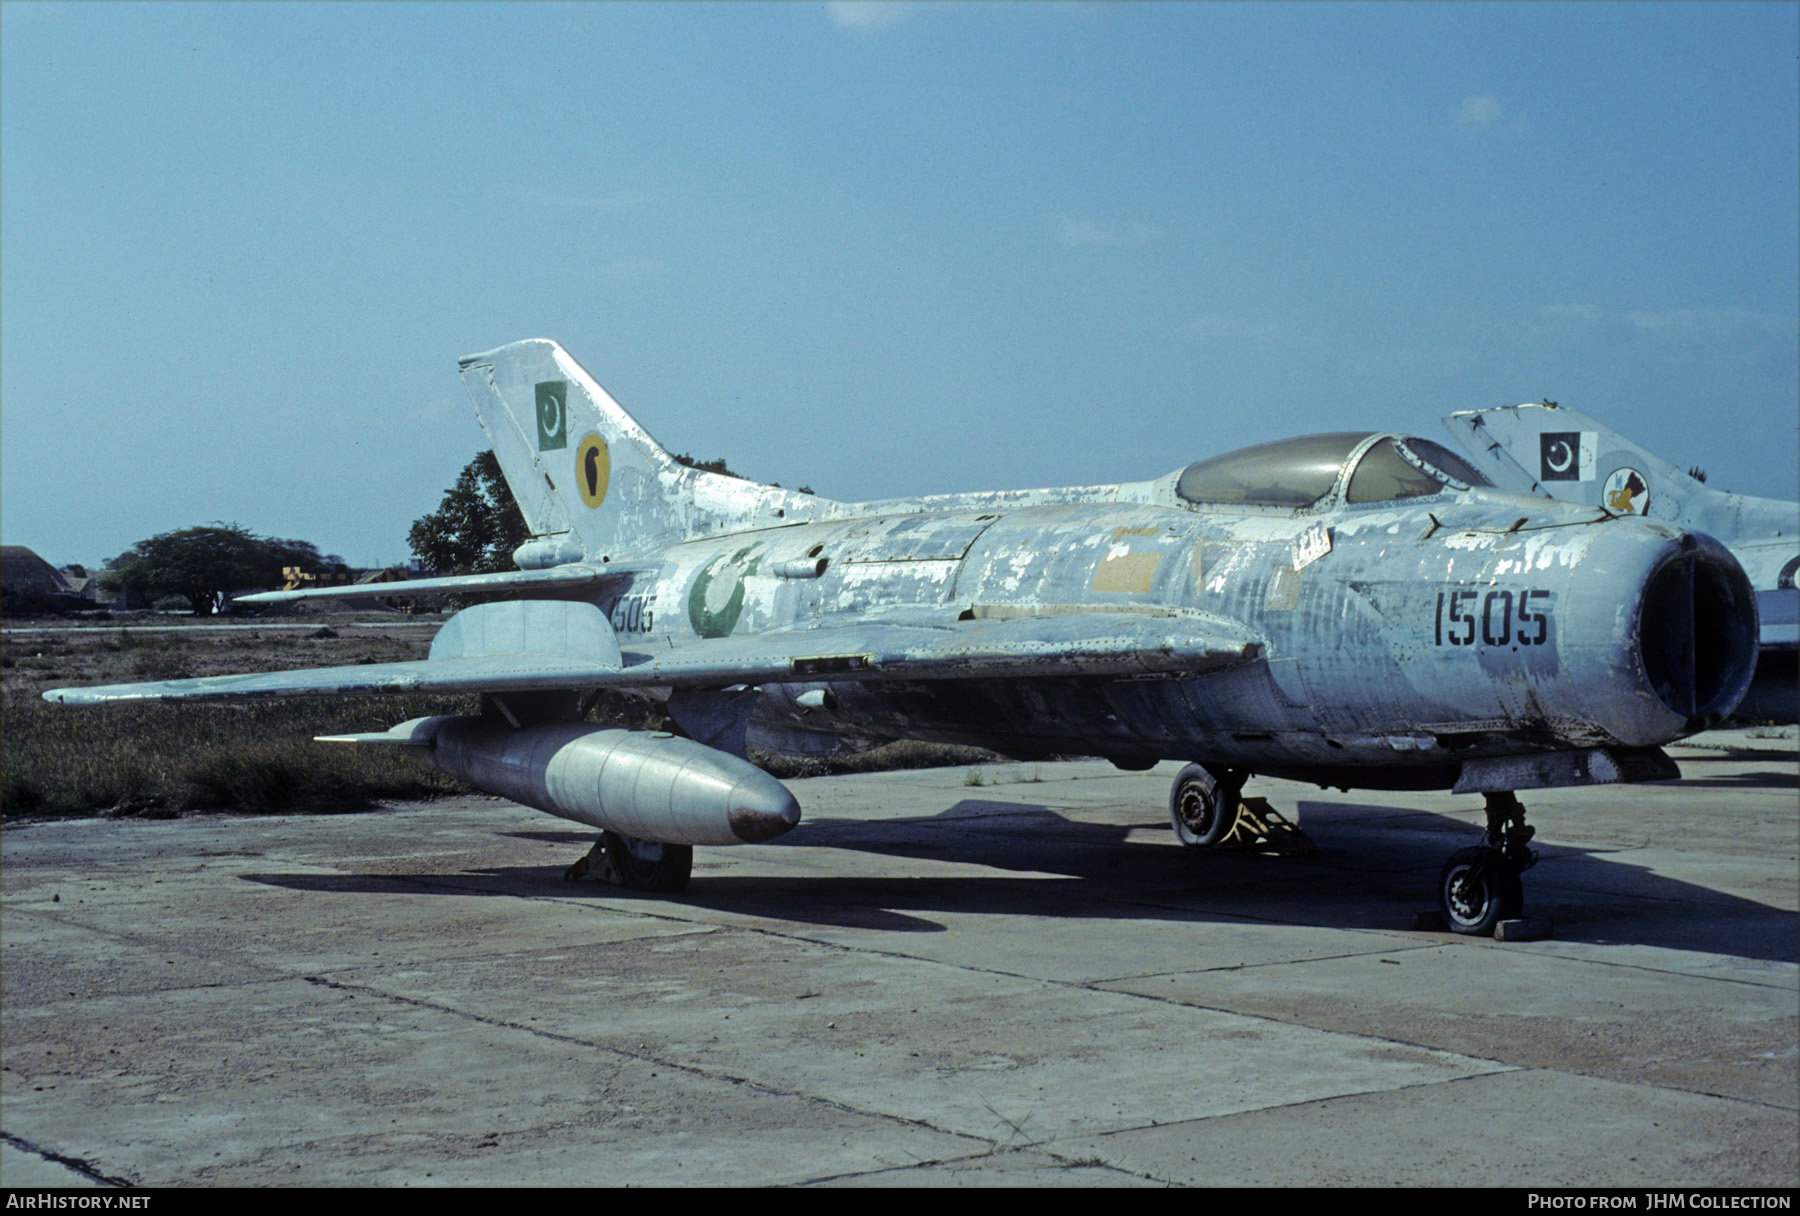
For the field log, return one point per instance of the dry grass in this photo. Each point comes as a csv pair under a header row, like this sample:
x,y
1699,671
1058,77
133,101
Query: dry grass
x,y
152,759
889,757
162,759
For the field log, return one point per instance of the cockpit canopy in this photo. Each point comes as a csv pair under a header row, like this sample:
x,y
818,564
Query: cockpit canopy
x,y
1297,473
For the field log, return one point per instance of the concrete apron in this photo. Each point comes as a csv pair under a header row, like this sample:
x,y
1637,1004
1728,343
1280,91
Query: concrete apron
x,y
1010,975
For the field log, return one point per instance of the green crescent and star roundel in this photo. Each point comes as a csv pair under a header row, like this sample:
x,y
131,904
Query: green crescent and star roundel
x,y
717,598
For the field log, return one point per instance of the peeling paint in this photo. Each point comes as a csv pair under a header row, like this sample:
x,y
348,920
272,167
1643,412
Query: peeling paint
x,y
1049,620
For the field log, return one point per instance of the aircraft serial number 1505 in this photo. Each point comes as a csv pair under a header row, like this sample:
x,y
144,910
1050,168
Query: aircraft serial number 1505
x,y
1355,609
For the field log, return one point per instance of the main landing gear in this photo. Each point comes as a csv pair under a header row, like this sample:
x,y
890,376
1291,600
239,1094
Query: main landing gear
x,y
1203,804
641,865
1207,809
1479,887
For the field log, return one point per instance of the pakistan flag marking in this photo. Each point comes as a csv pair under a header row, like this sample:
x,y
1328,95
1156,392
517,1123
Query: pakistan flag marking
x,y
553,415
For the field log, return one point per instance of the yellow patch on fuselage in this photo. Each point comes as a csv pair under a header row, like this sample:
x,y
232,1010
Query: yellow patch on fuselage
x,y
1127,572
1209,555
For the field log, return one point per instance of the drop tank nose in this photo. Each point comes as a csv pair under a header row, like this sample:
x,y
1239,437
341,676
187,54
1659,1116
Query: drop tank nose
x,y
642,784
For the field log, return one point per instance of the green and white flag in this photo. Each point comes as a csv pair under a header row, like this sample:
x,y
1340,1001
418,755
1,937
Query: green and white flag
x,y
553,415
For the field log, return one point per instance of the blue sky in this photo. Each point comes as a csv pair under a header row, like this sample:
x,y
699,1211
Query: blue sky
x,y
877,249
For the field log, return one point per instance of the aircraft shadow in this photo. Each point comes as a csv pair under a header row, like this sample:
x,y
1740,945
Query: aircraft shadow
x,y
848,909
1744,781
578,836
1376,866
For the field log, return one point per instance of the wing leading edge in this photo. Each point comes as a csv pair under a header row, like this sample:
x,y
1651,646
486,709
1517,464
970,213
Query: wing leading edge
x,y
1087,644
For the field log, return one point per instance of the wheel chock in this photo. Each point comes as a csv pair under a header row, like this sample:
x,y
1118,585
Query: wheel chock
x,y
1523,929
1260,826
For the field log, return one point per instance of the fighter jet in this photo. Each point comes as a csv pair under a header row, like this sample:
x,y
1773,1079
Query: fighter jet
x,y
1358,609
1562,453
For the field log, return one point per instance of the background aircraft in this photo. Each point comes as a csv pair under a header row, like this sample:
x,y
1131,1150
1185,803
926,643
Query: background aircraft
x,y
1354,609
1564,454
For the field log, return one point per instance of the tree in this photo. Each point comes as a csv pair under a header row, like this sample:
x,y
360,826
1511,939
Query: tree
x,y
199,563
476,527
706,466
718,466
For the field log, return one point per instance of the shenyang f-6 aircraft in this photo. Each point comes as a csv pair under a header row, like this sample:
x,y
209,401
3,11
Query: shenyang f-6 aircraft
x,y
1356,610
1564,454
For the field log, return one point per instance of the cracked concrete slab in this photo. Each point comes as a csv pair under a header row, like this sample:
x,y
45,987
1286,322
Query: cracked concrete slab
x,y
1011,977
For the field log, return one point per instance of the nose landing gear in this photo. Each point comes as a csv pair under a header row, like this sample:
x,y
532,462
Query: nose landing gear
x,y
1479,887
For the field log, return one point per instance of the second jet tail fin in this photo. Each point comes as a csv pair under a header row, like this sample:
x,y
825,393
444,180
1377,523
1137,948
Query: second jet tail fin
x,y
1564,454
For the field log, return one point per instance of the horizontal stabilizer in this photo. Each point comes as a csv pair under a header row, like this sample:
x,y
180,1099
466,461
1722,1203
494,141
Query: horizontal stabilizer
x,y
578,577
1086,644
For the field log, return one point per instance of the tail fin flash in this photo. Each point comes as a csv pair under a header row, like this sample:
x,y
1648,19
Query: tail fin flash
x,y
1562,453
582,468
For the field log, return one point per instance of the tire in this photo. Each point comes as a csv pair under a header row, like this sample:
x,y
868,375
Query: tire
x,y
1201,811
645,865
1473,904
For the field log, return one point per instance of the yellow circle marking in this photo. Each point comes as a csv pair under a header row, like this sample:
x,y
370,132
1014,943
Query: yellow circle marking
x,y
593,468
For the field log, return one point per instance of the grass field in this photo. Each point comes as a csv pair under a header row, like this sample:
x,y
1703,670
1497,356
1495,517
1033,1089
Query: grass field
x,y
254,756
151,759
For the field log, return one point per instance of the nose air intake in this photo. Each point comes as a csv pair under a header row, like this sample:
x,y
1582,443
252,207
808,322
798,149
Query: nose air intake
x,y
1697,631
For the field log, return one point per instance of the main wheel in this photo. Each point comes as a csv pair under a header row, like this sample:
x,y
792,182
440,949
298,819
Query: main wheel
x,y
1475,902
1201,811
647,865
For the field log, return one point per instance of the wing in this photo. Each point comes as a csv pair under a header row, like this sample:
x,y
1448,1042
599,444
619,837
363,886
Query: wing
x,y
532,645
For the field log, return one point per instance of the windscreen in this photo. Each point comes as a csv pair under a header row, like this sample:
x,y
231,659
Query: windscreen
x,y
1404,467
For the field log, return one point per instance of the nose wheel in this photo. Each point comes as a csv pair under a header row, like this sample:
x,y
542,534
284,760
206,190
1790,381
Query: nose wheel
x,y
1478,890
1479,887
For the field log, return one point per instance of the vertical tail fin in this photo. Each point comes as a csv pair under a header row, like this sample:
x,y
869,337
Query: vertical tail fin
x,y
1564,454
582,469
